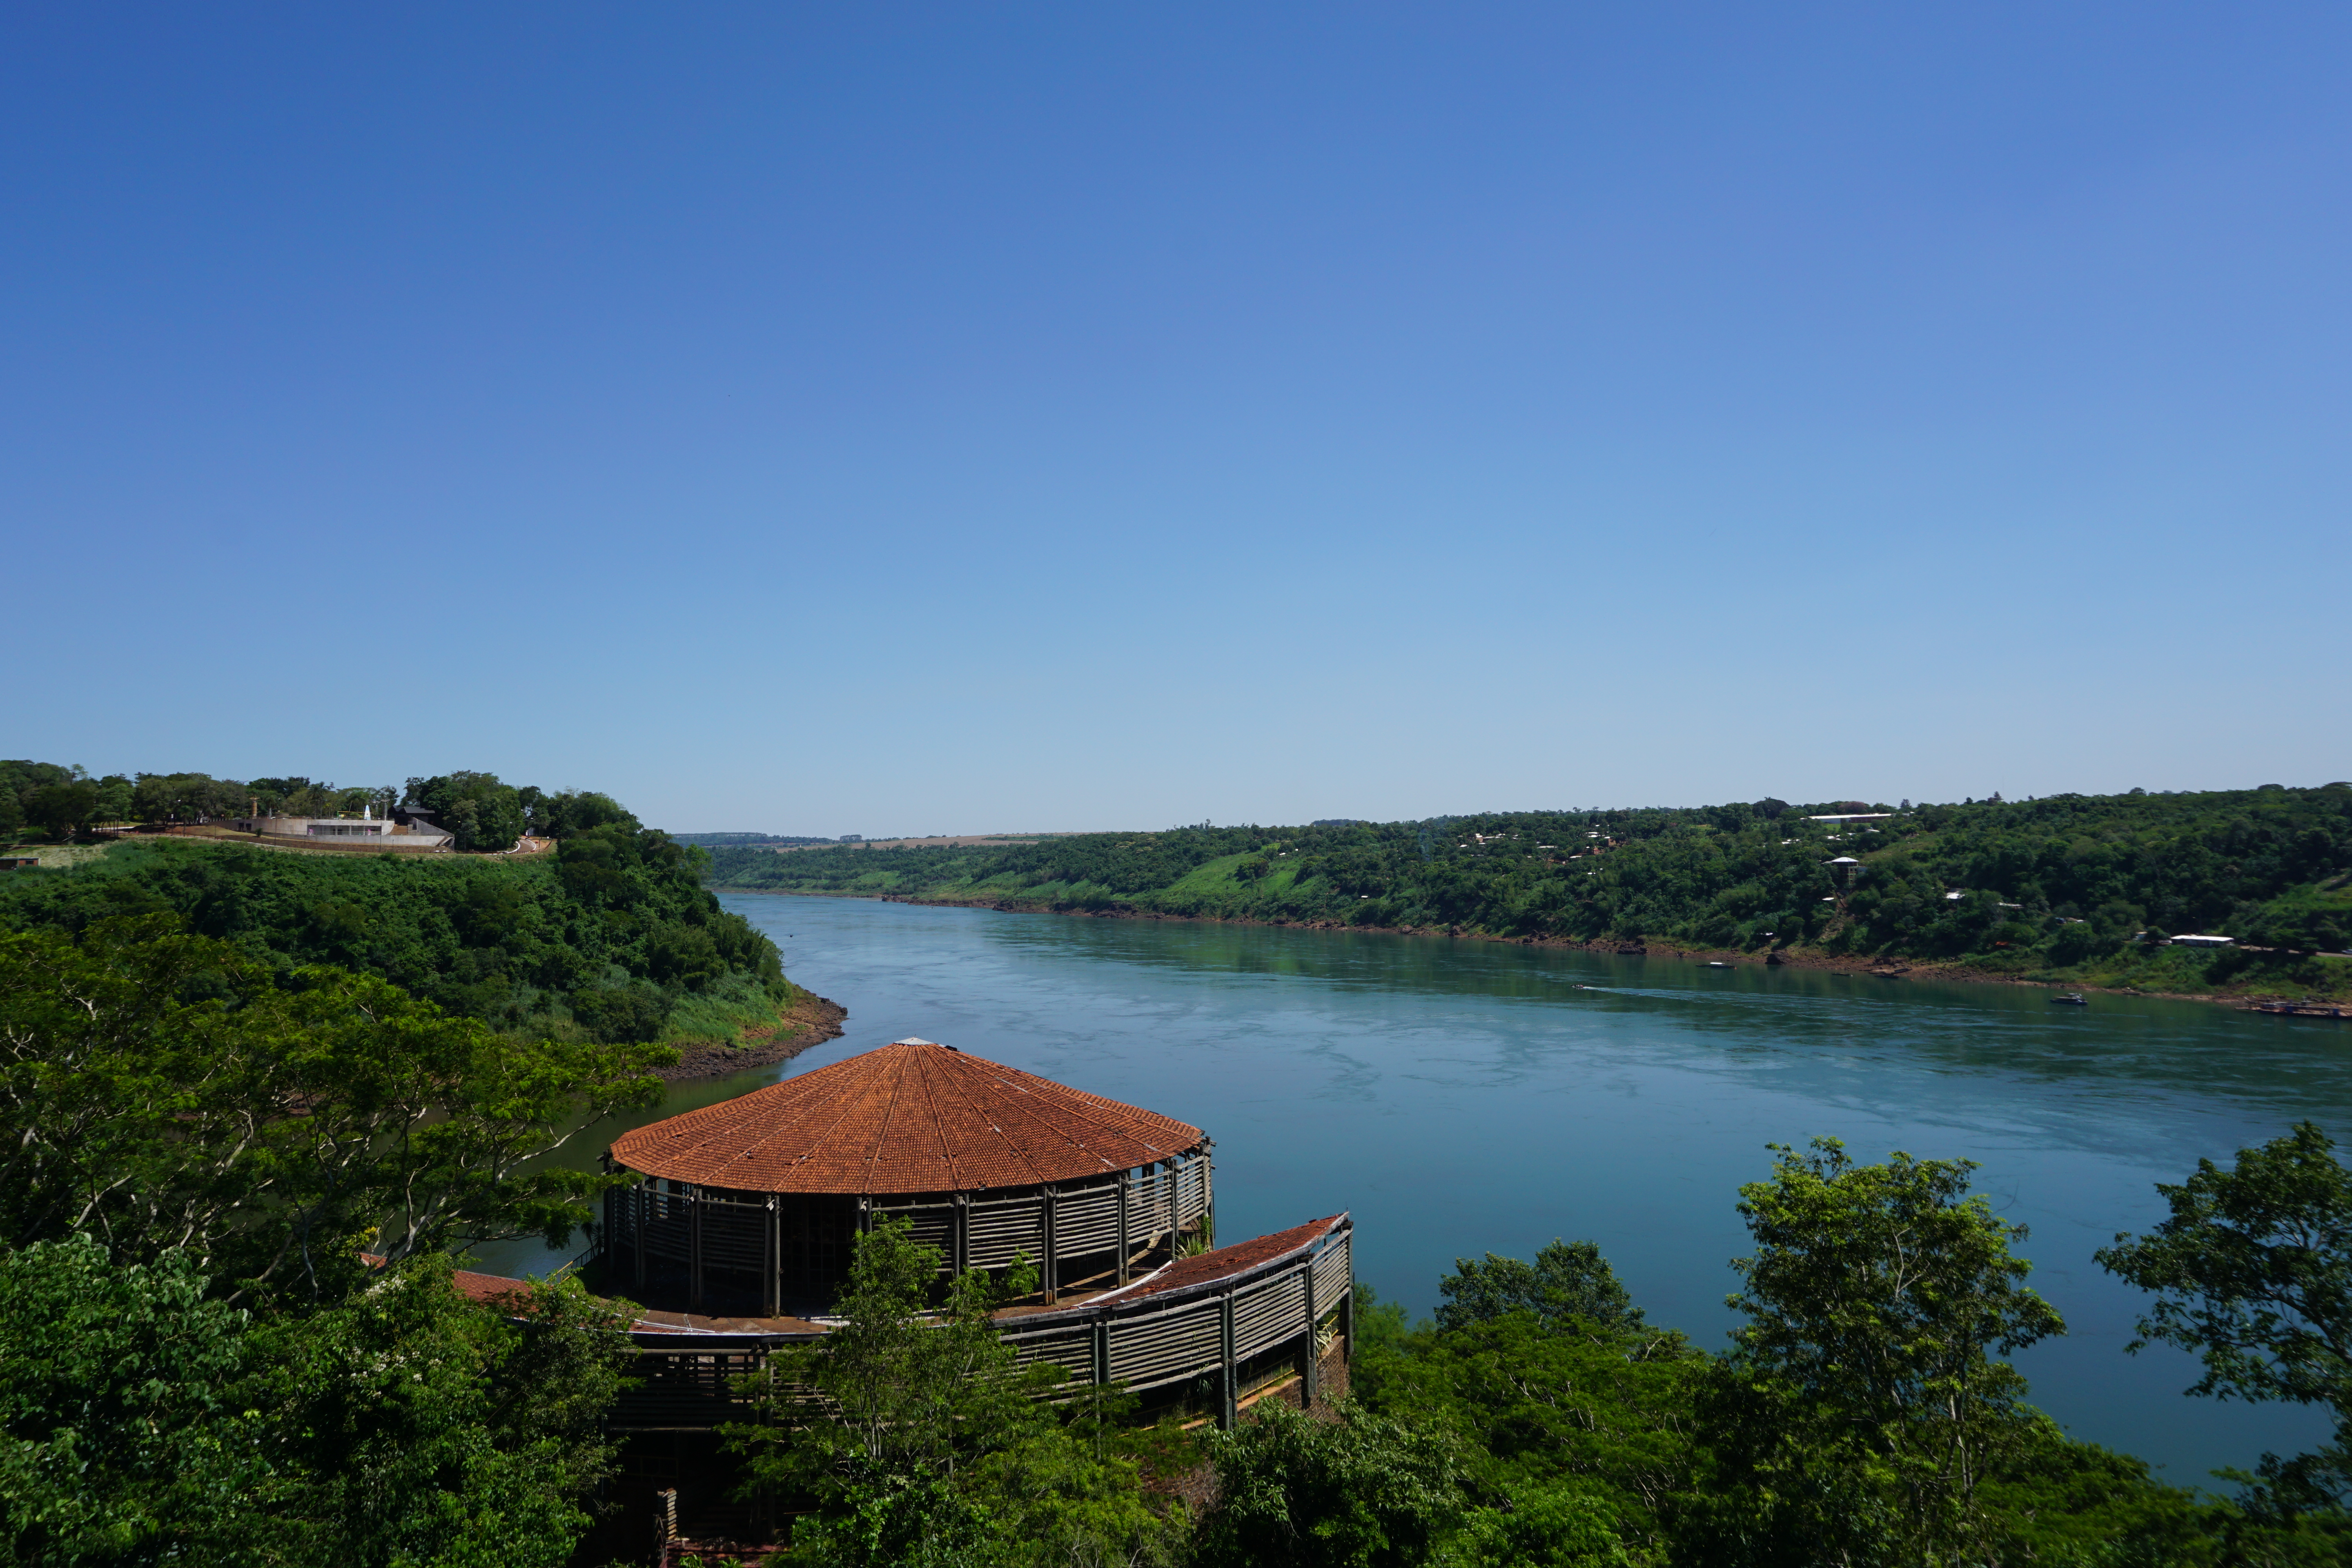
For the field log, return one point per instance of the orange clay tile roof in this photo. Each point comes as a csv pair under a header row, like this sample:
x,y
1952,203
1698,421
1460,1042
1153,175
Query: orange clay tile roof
x,y
1223,1262
908,1117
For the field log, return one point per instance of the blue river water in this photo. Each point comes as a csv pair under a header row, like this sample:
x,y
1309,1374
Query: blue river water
x,y
1464,1096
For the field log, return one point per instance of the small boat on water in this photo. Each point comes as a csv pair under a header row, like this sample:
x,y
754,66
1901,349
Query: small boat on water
x,y
1716,963
2069,999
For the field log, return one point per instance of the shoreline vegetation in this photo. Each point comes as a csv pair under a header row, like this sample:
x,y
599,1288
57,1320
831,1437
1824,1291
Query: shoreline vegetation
x,y
803,1021
2079,892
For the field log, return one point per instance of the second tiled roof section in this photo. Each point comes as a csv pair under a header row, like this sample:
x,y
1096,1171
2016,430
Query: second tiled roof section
x,y
911,1117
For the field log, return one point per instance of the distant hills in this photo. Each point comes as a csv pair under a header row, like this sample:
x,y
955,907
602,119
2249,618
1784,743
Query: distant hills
x,y
2074,888
713,840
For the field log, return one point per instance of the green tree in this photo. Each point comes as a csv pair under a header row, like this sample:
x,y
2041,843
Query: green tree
x,y
410,1425
1358,1491
505,940
64,809
2252,1273
144,1422
114,796
186,797
166,1092
1862,1404
483,813
123,1438
1542,1404
569,812
915,1428
1568,1280
1068,1492
1542,1527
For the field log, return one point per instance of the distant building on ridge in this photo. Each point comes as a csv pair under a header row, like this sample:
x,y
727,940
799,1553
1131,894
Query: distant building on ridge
x,y
409,830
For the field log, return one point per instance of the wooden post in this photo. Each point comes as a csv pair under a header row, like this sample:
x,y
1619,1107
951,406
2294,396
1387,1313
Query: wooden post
x,y
1163,1204
1102,1350
960,1234
1227,1394
1310,1367
694,1246
1348,1327
1208,1192
1050,1278
772,1252
1121,1277
639,1195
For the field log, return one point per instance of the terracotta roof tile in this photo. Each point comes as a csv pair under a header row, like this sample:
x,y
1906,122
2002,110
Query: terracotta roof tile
x,y
491,1289
908,1117
1240,1258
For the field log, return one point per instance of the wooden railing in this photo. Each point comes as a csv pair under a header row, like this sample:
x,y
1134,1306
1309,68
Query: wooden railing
x,y
1144,1337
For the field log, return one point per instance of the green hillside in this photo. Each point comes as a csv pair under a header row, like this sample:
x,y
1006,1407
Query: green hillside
x,y
2080,887
611,937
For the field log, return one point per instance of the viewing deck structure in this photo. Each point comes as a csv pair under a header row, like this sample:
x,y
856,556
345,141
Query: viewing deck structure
x,y
739,1227
753,1205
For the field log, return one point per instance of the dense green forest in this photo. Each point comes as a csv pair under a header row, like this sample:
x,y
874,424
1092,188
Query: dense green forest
x,y
230,1199
611,937
232,1191
2081,888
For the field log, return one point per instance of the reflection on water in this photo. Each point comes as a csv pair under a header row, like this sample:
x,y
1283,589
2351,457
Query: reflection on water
x,y
1461,1097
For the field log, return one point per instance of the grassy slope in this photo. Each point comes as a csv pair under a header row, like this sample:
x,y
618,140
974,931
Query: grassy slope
x,y
2053,890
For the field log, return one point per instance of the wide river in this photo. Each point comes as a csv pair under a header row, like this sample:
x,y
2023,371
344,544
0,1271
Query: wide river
x,y
1466,1097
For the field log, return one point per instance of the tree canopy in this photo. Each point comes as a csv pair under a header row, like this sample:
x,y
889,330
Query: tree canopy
x,y
2253,1273
229,1201
170,1096
612,938
142,1421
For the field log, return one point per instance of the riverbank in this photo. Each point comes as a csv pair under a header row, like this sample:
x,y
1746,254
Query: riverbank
x,y
1879,966
2041,892
806,1020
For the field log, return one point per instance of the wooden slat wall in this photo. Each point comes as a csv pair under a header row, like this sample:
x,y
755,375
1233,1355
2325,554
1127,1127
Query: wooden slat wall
x,y
1007,1227
1266,1315
1149,1349
933,1225
1335,1272
685,1390
1086,1221
1167,1198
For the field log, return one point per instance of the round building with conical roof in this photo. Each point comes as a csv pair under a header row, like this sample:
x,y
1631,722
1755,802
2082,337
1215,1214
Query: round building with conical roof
x,y
756,1201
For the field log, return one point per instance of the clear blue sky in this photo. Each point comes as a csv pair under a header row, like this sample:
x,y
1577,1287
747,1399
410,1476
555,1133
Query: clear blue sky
x,y
890,419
